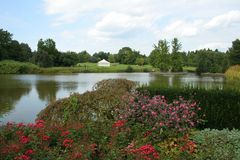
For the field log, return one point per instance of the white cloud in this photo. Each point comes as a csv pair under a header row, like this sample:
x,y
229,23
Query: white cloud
x,y
115,24
224,20
129,21
180,28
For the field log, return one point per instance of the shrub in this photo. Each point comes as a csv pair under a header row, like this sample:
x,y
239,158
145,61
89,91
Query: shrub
x,y
159,115
233,73
13,67
129,69
89,106
217,144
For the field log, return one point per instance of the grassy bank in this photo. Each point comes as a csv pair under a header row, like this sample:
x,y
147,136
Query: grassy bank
x,y
13,67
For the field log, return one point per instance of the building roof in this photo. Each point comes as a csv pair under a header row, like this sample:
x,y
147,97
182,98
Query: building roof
x,y
103,61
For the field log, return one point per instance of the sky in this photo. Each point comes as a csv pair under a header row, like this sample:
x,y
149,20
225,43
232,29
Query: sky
x,y
109,25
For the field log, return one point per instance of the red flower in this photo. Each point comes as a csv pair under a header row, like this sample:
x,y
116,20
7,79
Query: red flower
x,y
39,124
22,157
45,138
24,139
19,133
65,133
29,152
19,125
67,143
119,123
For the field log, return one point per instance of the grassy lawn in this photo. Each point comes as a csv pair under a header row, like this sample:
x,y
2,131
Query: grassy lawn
x,y
93,68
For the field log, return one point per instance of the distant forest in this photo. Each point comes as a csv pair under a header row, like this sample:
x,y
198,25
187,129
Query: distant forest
x,y
167,56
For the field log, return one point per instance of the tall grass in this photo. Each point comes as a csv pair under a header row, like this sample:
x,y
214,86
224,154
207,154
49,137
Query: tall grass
x,y
233,73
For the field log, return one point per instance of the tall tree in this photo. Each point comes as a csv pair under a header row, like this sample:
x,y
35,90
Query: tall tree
x,y
160,57
127,56
234,52
84,56
177,61
5,41
48,47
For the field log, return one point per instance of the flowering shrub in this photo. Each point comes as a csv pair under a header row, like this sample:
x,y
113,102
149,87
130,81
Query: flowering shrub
x,y
38,141
159,114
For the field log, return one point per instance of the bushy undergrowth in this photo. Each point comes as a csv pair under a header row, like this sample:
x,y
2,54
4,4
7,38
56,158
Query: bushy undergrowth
x,y
14,67
218,144
220,106
233,73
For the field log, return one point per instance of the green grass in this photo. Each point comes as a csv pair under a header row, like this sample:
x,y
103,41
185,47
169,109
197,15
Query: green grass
x,y
189,69
93,68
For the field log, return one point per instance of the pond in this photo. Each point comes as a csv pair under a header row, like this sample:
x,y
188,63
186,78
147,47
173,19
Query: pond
x,y
22,97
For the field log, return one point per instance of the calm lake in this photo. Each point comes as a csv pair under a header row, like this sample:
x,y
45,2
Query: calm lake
x,y
22,97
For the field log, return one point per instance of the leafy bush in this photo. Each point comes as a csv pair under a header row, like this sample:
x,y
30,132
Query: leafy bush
x,y
13,67
217,144
89,106
233,73
220,106
129,69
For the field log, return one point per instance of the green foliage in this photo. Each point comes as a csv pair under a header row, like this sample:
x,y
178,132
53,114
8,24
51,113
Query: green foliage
x,y
14,67
234,52
176,57
160,57
220,106
211,61
90,106
217,144
47,54
233,73
129,69
12,49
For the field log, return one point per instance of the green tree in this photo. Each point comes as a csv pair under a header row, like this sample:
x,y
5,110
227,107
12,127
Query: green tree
x,y
234,52
140,61
5,41
84,56
111,58
177,61
69,59
160,57
127,56
48,47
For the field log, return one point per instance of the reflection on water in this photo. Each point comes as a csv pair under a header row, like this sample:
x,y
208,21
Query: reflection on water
x,y
11,91
47,90
22,97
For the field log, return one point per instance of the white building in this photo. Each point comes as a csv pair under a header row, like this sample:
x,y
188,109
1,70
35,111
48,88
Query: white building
x,y
104,63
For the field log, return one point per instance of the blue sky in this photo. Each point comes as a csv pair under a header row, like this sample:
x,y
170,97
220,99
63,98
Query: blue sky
x,y
104,25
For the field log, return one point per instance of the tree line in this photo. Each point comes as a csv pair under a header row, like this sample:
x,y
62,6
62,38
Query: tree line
x,y
167,56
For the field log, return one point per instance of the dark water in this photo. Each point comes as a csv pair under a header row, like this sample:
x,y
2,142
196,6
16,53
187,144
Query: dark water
x,y
22,97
